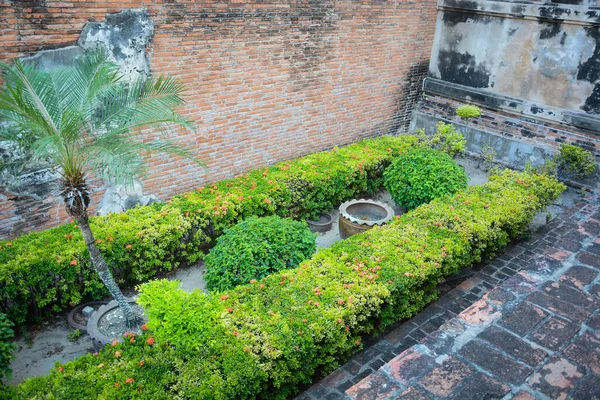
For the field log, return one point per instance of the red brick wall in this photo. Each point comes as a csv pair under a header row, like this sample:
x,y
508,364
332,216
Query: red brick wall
x,y
267,80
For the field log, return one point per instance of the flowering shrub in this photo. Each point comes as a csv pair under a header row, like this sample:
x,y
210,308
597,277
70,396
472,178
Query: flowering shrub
x,y
445,139
45,272
265,338
421,175
255,248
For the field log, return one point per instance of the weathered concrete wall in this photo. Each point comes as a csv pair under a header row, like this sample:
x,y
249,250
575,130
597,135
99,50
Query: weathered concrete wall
x,y
267,80
539,60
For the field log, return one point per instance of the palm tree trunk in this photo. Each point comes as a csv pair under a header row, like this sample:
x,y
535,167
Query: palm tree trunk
x,y
101,268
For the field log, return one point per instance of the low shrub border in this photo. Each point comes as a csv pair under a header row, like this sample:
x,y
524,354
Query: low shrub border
x,y
265,338
45,272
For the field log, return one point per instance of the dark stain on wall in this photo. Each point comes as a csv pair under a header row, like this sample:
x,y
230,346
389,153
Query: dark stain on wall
x,y
462,69
589,70
407,95
549,31
453,18
592,103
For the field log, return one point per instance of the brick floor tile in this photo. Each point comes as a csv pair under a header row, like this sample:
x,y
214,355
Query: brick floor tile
x,y
595,290
589,258
556,378
554,333
558,306
479,313
591,227
588,389
359,377
514,346
523,318
375,387
397,335
518,285
439,342
443,380
585,350
352,367
543,265
594,248
482,387
493,361
335,378
569,244
523,396
594,322
413,393
579,276
334,396
499,296
557,254
409,365
571,295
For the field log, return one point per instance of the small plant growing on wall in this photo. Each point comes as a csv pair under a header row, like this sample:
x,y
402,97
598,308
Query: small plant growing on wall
x,y
445,139
82,120
570,162
468,111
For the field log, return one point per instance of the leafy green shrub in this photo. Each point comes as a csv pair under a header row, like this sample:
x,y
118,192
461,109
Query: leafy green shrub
x,y
7,347
266,338
445,139
421,175
255,248
46,272
574,162
468,111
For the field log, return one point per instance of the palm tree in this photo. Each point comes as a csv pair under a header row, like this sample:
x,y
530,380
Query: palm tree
x,y
83,119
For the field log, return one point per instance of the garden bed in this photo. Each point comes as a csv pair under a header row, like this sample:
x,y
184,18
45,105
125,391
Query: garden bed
x,y
245,356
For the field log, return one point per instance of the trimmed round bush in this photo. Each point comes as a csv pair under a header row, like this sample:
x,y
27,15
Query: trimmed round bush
x,y
421,175
255,248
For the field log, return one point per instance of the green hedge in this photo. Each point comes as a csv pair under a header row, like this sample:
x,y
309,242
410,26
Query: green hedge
x,y
255,248
264,339
46,272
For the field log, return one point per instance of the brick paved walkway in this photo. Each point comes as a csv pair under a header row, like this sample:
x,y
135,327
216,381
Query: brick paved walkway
x,y
526,326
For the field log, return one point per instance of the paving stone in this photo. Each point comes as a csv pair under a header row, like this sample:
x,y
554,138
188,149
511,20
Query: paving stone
x,y
595,290
556,378
397,335
335,378
409,365
362,375
334,396
482,387
588,389
557,254
594,322
499,296
378,363
375,387
558,306
523,318
594,249
439,342
585,350
579,276
443,380
554,333
352,367
479,313
524,396
367,355
543,265
591,227
518,285
569,244
589,258
342,387
413,393
514,346
570,294
496,363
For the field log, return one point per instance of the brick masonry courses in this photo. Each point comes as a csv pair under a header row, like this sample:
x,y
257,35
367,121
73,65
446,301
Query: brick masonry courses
x,y
525,326
267,80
